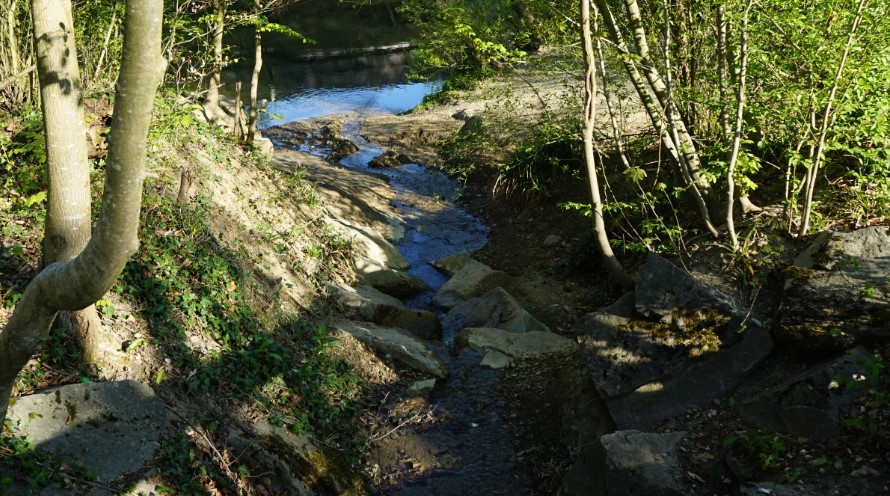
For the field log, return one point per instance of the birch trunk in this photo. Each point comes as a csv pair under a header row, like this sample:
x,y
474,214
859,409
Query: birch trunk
x,y
613,266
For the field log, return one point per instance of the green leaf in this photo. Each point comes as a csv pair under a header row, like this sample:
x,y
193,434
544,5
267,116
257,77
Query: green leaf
x,y
35,199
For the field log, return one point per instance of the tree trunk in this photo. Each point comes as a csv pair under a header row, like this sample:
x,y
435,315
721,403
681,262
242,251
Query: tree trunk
x,y
211,101
68,216
75,284
613,266
737,129
255,79
654,100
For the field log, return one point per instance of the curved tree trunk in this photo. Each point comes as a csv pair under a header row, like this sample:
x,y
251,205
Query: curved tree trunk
x,y
68,217
613,266
75,284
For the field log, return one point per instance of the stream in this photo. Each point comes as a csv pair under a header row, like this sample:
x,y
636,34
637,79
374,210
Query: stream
x,y
467,451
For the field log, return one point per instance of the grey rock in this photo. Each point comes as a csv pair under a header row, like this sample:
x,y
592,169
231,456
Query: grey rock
x,y
342,148
452,263
496,308
642,463
421,388
619,351
400,344
264,146
703,379
837,293
379,308
369,245
389,281
303,468
669,294
112,428
552,240
516,346
494,359
809,404
468,278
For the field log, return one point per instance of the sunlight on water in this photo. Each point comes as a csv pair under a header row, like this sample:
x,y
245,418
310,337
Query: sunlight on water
x,y
316,102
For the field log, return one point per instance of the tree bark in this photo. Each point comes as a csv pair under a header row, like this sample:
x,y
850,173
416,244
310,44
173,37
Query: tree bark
x,y
655,97
255,78
78,283
613,266
211,101
68,217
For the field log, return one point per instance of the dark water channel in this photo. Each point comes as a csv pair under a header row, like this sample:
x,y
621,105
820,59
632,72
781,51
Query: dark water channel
x,y
467,451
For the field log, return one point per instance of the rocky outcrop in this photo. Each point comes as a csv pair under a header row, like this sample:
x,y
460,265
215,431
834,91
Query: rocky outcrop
x,y
373,306
468,278
670,346
810,404
303,468
501,348
496,308
399,344
837,293
642,463
113,428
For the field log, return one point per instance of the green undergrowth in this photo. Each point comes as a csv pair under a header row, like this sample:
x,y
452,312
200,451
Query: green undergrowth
x,y
209,311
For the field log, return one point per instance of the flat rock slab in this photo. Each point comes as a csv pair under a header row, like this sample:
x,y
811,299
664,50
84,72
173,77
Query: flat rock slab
x,y
496,308
810,404
505,346
621,355
374,306
708,377
401,345
112,428
668,293
469,278
643,463
837,292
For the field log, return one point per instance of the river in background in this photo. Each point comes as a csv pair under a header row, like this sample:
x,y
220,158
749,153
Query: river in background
x,y
357,61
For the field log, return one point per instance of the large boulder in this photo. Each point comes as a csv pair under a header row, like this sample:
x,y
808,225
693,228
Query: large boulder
x,y
501,348
666,293
837,292
643,463
809,405
373,306
619,351
399,344
695,384
670,346
496,308
468,278
113,428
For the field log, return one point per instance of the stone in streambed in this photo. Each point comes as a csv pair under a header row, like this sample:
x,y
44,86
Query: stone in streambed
x,y
496,308
400,344
468,278
514,346
385,310
389,281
